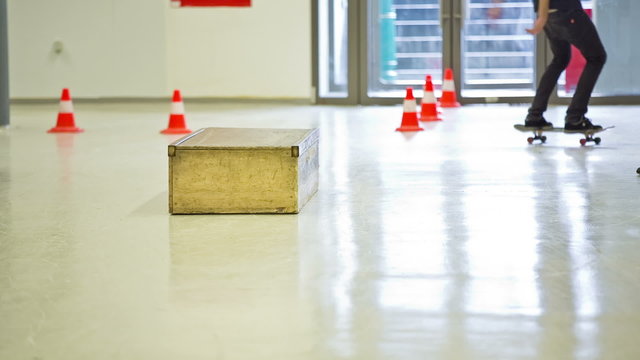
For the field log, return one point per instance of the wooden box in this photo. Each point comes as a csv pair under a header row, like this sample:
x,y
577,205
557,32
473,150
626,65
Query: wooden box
x,y
236,170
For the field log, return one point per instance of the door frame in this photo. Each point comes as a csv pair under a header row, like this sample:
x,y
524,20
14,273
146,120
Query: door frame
x,y
353,56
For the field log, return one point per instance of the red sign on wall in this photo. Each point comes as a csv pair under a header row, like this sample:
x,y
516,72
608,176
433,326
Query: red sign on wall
x,y
214,2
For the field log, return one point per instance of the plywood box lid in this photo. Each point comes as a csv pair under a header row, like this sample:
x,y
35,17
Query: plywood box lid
x,y
247,138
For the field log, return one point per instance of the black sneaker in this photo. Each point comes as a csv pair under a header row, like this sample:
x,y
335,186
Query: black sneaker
x,y
537,122
581,125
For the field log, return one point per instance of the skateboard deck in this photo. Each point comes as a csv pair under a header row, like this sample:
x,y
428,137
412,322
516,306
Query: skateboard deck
x,y
538,133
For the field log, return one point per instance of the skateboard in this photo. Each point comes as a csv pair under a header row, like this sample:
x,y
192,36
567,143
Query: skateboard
x,y
538,133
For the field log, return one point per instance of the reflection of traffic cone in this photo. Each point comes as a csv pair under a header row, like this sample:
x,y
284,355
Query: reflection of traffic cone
x,y
448,99
177,123
66,122
429,111
410,114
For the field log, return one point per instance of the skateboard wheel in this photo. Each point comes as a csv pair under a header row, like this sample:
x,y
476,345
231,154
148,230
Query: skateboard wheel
x,y
597,140
583,142
530,140
638,171
544,139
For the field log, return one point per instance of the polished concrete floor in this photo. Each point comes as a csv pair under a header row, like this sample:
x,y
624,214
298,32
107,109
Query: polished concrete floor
x,y
459,242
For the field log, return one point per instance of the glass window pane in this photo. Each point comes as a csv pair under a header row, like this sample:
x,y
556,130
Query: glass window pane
x,y
618,26
498,55
333,49
405,45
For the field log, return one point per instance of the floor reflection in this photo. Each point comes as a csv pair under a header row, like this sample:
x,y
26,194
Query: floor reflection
x,y
438,249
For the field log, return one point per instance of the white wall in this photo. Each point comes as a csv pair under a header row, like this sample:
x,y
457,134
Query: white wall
x,y
145,48
111,48
261,51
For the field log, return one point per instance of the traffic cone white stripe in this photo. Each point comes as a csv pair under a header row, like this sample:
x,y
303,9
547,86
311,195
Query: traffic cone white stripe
x,y
177,107
429,97
66,107
448,85
410,106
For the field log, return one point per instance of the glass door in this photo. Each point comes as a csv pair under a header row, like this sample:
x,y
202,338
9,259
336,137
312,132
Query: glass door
x,y
483,41
369,51
497,56
405,44
331,49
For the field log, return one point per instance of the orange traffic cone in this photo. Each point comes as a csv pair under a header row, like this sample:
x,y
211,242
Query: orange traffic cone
x,y
177,123
448,99
410,114
66,122
429,110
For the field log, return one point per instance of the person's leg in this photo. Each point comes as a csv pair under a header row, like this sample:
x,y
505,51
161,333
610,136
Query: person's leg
x,y
561,50
584,36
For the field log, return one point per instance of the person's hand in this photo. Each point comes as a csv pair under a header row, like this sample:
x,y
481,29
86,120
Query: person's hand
x,y
537,26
